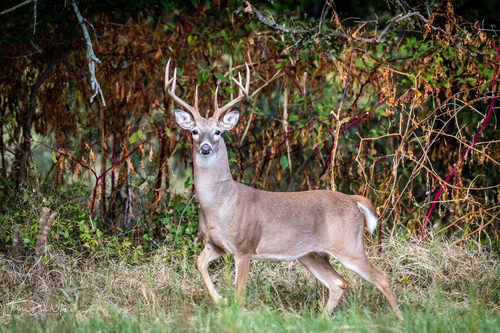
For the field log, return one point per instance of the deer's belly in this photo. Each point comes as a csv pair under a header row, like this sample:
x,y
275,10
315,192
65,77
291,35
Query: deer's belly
x,y
278,257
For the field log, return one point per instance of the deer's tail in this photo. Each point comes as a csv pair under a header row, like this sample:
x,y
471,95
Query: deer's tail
x,y
366,207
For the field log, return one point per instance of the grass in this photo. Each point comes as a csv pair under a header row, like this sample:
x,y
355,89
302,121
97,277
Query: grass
x,y
440,287
442,317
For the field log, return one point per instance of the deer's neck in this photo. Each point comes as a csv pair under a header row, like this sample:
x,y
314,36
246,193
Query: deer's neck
x,y
212,177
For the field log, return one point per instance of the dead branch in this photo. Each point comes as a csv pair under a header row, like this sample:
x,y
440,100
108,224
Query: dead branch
x,y
91,57
41,226
15,244
17,6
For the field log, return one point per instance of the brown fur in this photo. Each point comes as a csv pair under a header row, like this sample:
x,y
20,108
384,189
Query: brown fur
x,y
260,225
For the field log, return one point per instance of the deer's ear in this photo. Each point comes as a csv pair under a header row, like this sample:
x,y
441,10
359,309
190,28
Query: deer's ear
x,y
229,120
184,119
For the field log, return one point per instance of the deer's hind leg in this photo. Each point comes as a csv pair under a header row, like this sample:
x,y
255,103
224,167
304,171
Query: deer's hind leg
x,y
320,267
209,253
360,265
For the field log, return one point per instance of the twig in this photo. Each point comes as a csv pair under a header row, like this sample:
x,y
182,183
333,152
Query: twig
x,y
15,243
339,125
326,7
182,214
476,137
43,236
91,57
34,16
129,212
269,23
481,228
17,6
41,225
285,123
43,228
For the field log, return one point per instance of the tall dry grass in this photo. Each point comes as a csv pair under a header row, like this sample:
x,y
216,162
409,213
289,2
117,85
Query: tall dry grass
x,y
167,281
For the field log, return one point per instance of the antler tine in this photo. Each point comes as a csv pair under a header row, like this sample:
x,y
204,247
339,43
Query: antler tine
x,y
242,90
171,93
216,103
247,87
196,100
242,94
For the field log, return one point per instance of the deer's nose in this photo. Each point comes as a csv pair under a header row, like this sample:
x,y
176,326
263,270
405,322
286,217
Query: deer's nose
x,y
205,149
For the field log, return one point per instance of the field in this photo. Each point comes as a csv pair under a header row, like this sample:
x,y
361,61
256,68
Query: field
x,y
440,287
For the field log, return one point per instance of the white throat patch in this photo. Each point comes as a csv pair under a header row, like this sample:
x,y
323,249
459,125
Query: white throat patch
x,y
203,161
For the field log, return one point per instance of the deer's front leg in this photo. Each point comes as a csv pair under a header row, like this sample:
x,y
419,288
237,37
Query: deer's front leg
x,y
209,253
242,267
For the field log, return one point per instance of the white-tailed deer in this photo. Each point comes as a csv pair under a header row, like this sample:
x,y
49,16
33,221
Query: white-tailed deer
x,y
251,224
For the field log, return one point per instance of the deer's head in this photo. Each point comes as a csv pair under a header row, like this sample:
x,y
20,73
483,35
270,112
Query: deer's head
x,y
206,132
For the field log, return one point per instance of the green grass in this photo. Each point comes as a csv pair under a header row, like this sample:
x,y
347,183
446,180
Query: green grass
x,y
432,317
439,286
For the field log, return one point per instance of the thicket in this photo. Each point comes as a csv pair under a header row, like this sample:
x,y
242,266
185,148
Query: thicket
x,y
399,108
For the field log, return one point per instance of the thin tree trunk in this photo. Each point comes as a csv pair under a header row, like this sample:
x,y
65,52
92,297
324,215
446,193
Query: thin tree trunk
x,y
15,243
104,155
23,152
112,205
2,148
160,170
129,211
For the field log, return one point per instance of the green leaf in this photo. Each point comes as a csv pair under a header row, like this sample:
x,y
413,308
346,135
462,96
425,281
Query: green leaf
x,y
133,138
188,182
206,74
54,159
221,77
199,78
284,162
139,133
282,64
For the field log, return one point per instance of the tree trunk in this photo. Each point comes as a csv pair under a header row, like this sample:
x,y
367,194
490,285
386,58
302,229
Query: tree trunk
x,y
23,152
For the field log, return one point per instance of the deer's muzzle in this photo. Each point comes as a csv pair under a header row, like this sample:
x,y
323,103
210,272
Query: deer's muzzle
x,y
206,149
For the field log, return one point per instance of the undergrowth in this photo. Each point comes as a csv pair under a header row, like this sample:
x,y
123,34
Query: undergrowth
x,y
95,280
438,286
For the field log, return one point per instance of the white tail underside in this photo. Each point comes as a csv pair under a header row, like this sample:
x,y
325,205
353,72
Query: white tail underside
x,y
371,219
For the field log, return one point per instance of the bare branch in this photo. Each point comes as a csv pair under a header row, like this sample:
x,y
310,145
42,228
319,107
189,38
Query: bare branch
x,y
15,243
374,40
91,57
269,23
16,7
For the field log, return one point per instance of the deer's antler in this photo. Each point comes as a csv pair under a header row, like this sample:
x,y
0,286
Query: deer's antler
x,y
243,93
171,93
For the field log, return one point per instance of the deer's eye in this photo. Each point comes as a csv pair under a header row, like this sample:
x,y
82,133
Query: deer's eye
x,y
195,132
217,132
